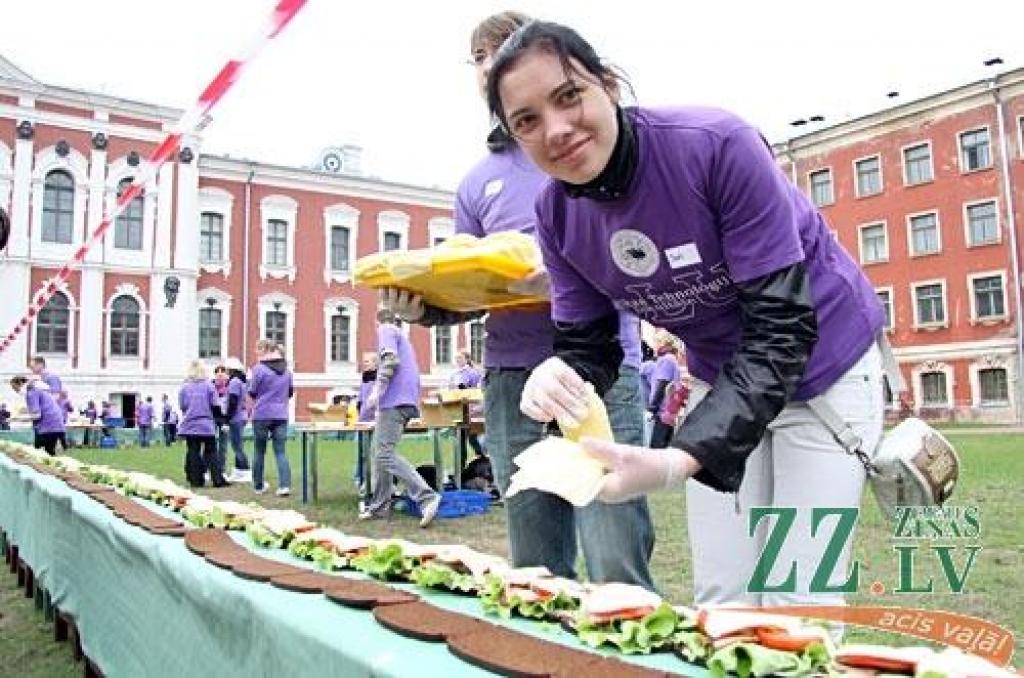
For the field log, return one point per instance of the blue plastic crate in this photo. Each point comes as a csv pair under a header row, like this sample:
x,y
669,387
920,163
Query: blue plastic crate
x,y
108,443
454,504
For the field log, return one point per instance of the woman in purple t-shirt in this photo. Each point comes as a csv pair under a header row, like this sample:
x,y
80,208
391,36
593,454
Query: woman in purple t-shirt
x,y
47,417
682,217
270,388
199,403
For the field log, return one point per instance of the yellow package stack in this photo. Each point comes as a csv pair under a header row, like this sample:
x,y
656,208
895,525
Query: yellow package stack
x,y
464,273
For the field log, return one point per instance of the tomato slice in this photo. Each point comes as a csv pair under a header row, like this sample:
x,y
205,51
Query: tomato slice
x,y
628,613
777,639
878,663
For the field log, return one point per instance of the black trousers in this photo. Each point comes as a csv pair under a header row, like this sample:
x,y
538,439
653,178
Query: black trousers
x,y
661,435
170,434
48,442
200,456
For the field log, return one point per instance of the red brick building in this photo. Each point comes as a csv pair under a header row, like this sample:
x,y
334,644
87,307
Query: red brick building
x,y
928,197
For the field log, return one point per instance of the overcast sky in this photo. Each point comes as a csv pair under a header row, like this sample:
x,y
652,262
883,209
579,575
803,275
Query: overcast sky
x,y
390,76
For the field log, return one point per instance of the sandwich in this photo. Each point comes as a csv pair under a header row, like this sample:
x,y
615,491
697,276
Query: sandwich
x,y
327,547
393,559
529,592
198,511
630,617
456,568
230,515
275,529
754,644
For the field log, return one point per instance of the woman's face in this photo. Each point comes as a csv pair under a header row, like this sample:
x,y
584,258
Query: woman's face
x,y
460,360
564,121
482,58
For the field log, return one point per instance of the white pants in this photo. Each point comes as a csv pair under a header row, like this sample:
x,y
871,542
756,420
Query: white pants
x,y
797,464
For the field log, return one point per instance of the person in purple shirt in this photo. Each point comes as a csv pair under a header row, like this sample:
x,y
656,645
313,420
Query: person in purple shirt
x,y
270,388
498,195
145,421
664,376
90,413
682,217
467,376
235,413
169,421
47,417
198,402
396,395
38,366
368,379
66,408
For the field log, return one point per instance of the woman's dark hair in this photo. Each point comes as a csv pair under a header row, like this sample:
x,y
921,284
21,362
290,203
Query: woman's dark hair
x,y
556,39
5,228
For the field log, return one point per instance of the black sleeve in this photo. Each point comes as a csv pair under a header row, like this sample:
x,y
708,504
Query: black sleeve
x,y
657,395
592,349
779,332
232,406
433,315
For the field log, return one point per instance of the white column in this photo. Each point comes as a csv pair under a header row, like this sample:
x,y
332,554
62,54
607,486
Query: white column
x,y
186,230
90,320
18,243
164,212
14,281
97,179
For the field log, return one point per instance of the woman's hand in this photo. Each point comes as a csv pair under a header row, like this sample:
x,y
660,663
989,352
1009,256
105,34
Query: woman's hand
x,y
555,391
407,305
636,471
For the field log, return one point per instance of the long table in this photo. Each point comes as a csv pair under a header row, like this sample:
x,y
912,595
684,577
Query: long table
x,y
144,605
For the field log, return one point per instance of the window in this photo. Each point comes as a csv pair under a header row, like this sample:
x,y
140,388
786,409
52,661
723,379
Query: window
x,y
995,389
277,242
58,207
392,241
931,308
885,298
209,333
340,324
476,342
52,325
869,176
988,297
443,344
933,388
974,150
128,225
124,327
821,187
917,164
873,245
339,248
276,327
211,237
924,234
982,223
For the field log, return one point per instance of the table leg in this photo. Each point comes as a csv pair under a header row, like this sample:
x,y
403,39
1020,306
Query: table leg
x,y
316,472
463,454
435,436
305,490
366,449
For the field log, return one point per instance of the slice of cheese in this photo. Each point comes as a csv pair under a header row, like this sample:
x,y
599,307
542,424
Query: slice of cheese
x,y
561,467
594,425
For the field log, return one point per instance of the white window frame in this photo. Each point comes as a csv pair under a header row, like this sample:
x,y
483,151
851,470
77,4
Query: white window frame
x,y
914,286
118,171
287,306
910,234
468,333
890,290
453,342
997,362
440,227
856,176
918,384
351,307
831,184
992,319
286,209
931,162
860,241
346,216
218,201
222,302
75,164
960,149
393,221
128,362
967,222
60,362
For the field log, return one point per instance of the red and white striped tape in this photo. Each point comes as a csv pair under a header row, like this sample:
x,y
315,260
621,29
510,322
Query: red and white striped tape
x,y
283,13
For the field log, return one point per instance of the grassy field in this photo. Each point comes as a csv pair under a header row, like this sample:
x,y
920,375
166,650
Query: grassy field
x,y
992,479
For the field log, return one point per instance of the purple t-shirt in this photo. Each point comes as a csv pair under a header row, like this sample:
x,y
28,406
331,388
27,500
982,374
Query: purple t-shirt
x,y
145,414
51,415
498,195
236,387
666,368
53,381
708,209
464,377
270,391
404,387
197,400
366,413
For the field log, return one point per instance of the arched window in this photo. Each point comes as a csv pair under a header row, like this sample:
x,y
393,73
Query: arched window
x,y
52,325
124,327
128,226
58,207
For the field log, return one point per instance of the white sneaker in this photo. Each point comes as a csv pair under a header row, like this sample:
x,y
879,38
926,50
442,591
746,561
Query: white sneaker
x,y
261,490
429,510
283,491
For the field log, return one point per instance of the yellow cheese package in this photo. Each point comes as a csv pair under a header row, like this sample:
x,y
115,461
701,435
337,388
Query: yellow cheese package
x,y
464,273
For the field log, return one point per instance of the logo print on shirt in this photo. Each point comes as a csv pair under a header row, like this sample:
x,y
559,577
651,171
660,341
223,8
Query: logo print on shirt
x,y
634,253
493,187
708,289
683,255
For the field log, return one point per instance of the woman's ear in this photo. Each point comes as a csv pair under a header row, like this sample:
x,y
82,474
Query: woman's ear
x,y
611,86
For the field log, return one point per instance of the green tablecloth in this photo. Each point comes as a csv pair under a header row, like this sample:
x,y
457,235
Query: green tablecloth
x,y
145,605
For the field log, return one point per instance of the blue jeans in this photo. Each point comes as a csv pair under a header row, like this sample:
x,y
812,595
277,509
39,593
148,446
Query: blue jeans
x,y
277,430
617,539
235,436
145,434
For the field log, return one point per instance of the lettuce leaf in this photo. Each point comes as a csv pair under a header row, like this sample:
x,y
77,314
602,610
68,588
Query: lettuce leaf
x,y
327,559
492,597
434,575
196,517
748,660
631,636
495,601
261,536
302,549
387,563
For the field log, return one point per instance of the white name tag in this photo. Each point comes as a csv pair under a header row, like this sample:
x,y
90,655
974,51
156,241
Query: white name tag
x,y
493,187
683,255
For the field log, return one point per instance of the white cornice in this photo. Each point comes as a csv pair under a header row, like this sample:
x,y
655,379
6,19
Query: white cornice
x,y
67,96
230,169
75,122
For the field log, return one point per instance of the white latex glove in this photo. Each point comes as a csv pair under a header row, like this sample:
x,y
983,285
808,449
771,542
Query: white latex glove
x,y
635,471
405,304
537,284
555,391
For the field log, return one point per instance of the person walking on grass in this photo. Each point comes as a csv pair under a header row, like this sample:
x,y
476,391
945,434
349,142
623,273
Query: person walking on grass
x,y
198,401
237,417
270,388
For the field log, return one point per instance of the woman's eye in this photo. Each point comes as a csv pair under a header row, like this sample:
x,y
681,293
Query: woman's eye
x,y
524,123
570,96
